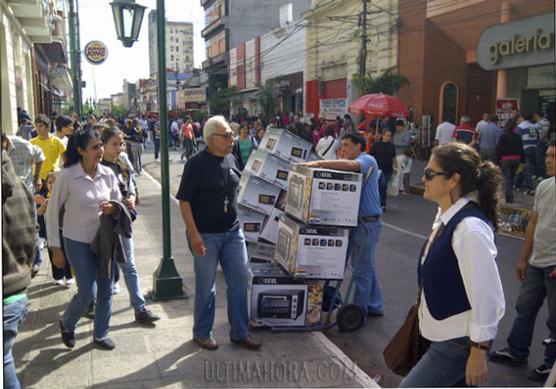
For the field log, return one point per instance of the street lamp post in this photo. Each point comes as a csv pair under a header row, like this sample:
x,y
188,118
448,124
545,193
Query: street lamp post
x,y
167,283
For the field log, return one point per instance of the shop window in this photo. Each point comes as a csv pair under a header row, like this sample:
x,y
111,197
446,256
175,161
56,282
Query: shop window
x,y
449,96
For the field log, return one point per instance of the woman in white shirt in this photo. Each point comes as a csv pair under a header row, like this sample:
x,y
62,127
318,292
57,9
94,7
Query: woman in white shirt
x,y
461,294
84,188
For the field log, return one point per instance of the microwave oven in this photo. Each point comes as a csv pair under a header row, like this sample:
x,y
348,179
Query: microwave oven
x,y
281,304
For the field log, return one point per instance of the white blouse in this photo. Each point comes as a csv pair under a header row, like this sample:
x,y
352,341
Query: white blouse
x,y
474,247
81,195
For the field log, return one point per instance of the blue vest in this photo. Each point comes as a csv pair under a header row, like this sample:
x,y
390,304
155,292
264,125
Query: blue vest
x,y
442,282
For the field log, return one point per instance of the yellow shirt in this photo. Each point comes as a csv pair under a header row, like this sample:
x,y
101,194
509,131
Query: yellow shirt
x,y
53,148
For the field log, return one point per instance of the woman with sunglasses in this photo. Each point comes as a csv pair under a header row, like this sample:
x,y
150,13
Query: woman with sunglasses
x,y
461,297
84,188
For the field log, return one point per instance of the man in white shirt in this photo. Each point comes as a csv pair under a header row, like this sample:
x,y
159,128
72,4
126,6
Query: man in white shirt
x,y
444,132
537,277
482,123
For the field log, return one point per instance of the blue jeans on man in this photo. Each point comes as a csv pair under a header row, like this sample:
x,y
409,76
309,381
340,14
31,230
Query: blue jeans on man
x,y
383,186
85,264
12,317
362,249
536,286
530,168
228,249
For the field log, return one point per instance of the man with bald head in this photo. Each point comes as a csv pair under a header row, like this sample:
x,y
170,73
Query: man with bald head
x,y
208,205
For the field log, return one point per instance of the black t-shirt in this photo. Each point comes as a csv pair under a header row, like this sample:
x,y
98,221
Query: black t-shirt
x,y
384,153
210,185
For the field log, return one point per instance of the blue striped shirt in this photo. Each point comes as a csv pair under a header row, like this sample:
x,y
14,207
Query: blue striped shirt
x,y
529,134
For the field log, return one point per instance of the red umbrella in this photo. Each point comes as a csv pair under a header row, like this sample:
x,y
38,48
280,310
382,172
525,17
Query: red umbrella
x,y
379,104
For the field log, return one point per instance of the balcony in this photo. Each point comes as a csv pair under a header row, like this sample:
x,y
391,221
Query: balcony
x,y
56,51
34,17
211,28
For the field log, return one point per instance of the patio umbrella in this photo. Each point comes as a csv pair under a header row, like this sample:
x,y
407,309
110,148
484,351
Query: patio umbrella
x,y
379,104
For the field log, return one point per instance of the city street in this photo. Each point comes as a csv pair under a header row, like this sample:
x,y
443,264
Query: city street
x,y
406,223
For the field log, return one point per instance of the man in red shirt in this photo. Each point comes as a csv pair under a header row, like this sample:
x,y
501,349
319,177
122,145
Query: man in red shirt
x,y
465,133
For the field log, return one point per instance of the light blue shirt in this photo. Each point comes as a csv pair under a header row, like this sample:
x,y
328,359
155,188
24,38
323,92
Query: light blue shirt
x,y
370,198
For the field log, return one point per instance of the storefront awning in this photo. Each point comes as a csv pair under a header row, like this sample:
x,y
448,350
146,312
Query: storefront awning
x,y
250,95
60,78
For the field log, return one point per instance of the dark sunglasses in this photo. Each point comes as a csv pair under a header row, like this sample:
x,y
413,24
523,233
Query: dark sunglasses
x,y
429,174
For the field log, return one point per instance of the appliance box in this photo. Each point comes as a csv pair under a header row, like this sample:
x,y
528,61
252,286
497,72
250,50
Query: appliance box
x,y
286,144
260,252
257,194
270,227
311,251
251,222
270,167
323,196
277,299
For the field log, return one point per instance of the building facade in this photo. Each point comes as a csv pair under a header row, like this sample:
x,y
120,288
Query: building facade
x,y
333,47
179,45
470,57
33,52
229,24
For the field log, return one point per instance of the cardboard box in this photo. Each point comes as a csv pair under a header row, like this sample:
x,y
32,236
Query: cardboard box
x,y
286,144
261,252
270,227
251,222
311,251
272,168
277,299
323,196
257,193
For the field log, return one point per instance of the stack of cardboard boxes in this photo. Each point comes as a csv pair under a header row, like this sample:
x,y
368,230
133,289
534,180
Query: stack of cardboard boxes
x,y
302,215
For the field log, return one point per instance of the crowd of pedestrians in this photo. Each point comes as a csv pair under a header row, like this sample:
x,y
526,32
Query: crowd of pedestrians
x,y
83,178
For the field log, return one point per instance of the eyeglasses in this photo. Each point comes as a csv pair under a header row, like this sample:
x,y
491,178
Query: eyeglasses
x,y
429,174
227,135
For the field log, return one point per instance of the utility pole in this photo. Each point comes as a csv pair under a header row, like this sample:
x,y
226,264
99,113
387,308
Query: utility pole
x,y
75,58
363,52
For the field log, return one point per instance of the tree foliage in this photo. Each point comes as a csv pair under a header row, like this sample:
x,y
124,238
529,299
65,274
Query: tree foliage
x,y
267,99
118,110
388,83
221,99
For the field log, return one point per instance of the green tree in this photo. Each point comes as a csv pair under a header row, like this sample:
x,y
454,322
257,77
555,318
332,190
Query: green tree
x,y
118,110
221,99
267,99
388,83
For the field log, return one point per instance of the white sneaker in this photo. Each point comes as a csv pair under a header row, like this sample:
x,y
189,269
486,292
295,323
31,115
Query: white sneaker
x,y
116,288
70,282
60,282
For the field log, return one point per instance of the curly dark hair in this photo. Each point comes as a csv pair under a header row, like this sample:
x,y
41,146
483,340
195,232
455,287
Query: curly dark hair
x,y
475,174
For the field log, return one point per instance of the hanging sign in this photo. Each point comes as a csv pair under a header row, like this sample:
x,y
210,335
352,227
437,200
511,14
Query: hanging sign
x,y
95,52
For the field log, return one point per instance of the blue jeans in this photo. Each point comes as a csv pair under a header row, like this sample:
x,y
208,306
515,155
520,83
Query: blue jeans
x,y
535,287
530,168
443,365
85,264
383,187
508,172
132,282
38,255
229,249
362,242
13,316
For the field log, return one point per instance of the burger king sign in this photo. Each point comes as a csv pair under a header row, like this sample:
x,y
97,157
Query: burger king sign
x,y
95,52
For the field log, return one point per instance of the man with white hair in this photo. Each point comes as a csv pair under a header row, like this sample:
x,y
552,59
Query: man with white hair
x,y
464,133
208,204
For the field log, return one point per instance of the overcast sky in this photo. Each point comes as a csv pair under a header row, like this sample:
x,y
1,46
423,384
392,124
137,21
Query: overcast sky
x,y
97,23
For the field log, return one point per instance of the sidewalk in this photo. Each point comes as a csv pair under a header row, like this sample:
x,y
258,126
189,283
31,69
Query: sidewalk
x,y
164,355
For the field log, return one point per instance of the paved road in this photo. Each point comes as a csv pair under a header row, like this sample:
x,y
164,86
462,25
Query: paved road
x,y
406,223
